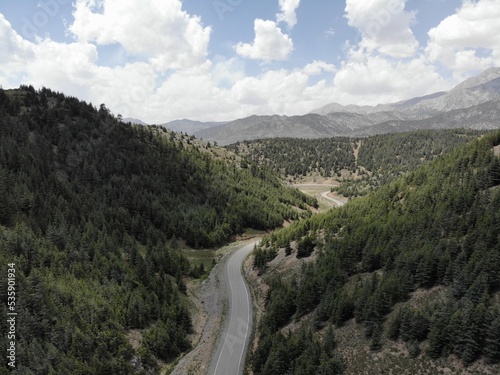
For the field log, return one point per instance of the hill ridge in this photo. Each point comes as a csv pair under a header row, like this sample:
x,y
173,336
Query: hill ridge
x,y
434,227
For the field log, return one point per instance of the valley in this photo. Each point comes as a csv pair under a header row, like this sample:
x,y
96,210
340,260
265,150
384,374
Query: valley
x,y
323,194
100,216
231,187
352,166
374,252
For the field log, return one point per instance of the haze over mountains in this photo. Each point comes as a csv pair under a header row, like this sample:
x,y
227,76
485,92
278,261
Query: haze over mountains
x,y
190,126
474,104
180,126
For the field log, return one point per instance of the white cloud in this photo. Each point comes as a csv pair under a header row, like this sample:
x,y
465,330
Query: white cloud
x,y
376,79
276,92
227,71
197,95
14,52
330,33
156,29
192,94
318,67
65,66
173,77
385,66
217,90
384,25
72,69
288,12
269,44
456,40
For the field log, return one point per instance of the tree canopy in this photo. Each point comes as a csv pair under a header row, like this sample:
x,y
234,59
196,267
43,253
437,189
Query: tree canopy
x,y
436,226
92,211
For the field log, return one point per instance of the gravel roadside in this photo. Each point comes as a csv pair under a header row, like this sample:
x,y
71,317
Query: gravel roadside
x,y
210,300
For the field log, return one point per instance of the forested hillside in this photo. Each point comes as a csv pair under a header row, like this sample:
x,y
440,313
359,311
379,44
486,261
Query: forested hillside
x,y
435,231
299,157
360,164
92,214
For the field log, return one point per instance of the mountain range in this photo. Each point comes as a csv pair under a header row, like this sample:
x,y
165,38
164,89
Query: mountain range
x,y
180,126
474,104
190,126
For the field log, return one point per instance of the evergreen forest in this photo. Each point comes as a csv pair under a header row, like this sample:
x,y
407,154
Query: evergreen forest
x,y
433,232
93,213
359,164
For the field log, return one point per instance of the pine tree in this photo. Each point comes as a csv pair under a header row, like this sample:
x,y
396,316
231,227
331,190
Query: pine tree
x,y
492,342
329,342
393,328
376,342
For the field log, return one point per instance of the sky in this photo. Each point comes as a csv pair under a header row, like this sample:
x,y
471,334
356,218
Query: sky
x,y
218,60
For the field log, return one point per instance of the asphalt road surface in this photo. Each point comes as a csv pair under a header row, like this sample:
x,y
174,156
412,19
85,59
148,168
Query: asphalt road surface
x,y
336,201
229,357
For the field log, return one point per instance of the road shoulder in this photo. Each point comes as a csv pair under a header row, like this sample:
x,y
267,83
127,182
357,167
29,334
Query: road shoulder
x,y
211,299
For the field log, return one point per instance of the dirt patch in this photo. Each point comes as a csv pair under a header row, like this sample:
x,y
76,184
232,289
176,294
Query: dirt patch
x,y
356,151
354,349
134,337
287,266
209,301
496,150
420,296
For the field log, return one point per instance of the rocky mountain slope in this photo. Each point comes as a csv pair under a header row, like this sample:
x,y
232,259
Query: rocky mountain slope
x,y
474,104
473,91
255,127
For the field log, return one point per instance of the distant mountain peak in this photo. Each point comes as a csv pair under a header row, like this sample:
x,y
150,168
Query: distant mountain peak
x,y
475,103
189,126
134,121
486,83
480,79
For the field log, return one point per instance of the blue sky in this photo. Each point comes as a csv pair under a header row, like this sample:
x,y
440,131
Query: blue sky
x,y
160,60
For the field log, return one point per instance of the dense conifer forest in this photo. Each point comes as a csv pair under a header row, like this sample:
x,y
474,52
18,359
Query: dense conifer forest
x,y
436,228
93,212
360,164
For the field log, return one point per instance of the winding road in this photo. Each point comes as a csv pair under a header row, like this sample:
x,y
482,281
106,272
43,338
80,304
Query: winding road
x,y
316,191
336,201
229,357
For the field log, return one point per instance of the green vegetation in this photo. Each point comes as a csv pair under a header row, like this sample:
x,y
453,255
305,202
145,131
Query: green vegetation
x,y
359,164
436,226
299,157
93,213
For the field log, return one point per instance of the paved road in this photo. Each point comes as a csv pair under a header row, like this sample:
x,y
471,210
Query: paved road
x,y
305,187
336,201
229,358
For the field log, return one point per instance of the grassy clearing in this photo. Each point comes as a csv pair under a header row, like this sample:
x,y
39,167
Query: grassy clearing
x,y
316,190
197,257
